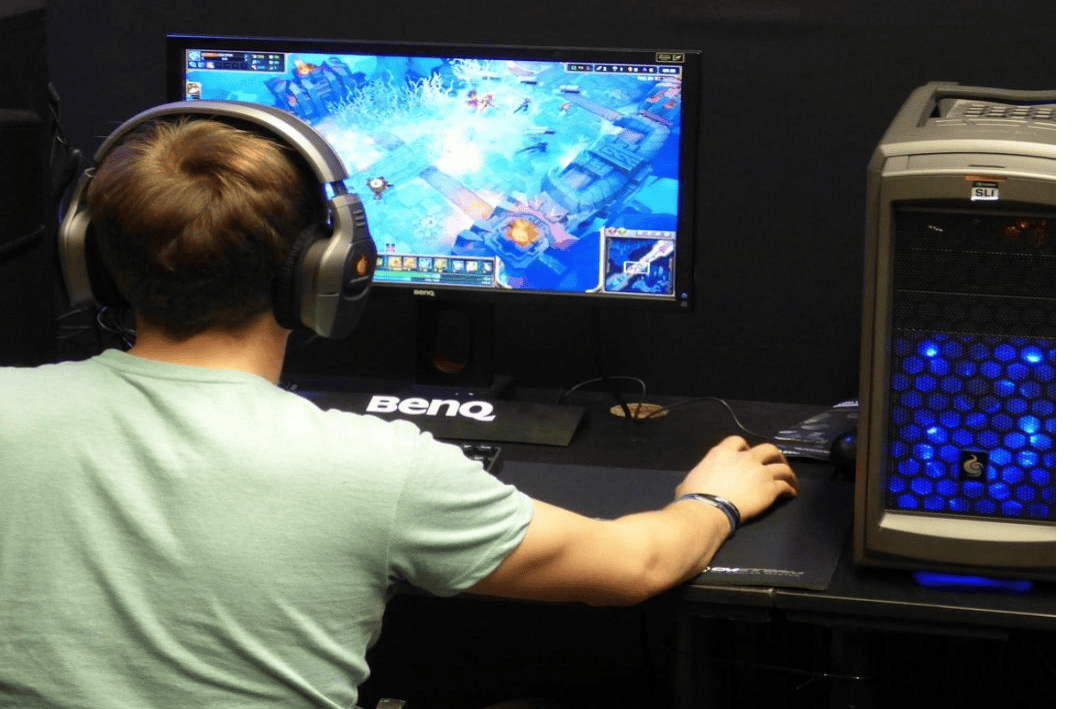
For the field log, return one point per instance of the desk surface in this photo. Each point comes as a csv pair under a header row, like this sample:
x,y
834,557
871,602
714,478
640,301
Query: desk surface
x,y
624,457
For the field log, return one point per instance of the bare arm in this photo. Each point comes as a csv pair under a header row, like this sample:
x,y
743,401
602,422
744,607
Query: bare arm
x,y
568,557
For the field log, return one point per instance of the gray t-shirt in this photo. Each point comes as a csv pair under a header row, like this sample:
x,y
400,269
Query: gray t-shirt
x,y
177,536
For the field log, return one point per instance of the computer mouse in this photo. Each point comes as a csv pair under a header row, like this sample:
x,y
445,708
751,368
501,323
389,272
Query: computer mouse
x,y
843,453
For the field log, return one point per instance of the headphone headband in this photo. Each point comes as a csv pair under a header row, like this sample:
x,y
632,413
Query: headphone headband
x,y
284,126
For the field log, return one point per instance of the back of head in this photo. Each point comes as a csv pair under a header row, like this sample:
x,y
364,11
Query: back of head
x,y
192,218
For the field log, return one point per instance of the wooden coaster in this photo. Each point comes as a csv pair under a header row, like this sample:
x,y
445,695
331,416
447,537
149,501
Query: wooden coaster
x,y
642,411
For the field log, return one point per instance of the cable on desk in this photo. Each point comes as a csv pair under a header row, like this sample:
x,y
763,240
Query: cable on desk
x,y
635,411
737,422
604,380
597,330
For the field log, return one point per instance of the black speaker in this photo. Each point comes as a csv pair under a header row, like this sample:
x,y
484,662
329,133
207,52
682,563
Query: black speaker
x,y
956,464
26,270
22,185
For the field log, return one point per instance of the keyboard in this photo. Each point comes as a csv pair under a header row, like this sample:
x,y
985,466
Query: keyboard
x,y
487,454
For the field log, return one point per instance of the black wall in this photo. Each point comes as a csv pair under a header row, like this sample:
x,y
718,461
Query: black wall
x,y
27,253
797,95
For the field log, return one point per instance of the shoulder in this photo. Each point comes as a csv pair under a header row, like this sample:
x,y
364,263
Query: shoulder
x,y
26,384
32,396
332,421
397,447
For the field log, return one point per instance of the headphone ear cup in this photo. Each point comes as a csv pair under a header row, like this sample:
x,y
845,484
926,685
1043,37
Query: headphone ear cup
x,y
86,279
287,283
105,291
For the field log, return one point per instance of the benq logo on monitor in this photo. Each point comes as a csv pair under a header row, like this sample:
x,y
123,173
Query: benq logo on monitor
x,y
416,406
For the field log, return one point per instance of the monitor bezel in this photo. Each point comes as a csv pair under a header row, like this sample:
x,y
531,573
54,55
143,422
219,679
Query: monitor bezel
x,y
685,241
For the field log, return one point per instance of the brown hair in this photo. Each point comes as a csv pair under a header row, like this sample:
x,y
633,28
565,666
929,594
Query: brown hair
x,y
192,218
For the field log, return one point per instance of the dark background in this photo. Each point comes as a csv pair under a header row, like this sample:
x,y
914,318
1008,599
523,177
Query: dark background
x,y
796,96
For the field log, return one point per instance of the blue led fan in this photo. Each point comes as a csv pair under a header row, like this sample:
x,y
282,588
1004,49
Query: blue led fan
x,y
973,426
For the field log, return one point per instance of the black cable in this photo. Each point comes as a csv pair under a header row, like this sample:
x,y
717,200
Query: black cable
x,y
65,161
98,323
597,331
108,321
637,415
12,248
605,379
737,422
809,675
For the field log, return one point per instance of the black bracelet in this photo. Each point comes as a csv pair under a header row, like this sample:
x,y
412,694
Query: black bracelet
x,y
721,503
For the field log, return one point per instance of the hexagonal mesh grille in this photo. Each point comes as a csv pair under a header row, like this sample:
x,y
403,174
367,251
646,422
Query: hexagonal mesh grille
x,y
973,426
972,423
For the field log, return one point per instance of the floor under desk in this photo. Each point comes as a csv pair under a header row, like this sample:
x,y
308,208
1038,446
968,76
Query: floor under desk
x,y
465,653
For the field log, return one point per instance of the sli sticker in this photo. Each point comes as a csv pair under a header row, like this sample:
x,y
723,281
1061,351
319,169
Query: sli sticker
x,y
985,192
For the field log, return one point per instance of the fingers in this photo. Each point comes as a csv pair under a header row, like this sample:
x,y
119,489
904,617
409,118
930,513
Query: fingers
x,y
739,443
768,453
733,443
770,457
764,452
777,466
784,474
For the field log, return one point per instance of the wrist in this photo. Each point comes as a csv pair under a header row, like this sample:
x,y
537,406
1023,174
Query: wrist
x,y
719,502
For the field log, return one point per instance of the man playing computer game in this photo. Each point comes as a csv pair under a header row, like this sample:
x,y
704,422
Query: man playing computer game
x,y
178,531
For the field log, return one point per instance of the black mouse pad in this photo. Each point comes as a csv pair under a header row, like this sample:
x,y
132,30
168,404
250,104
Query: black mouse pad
x,y
797,544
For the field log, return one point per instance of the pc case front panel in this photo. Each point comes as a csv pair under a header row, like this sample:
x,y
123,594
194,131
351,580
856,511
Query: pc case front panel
x,y
957,423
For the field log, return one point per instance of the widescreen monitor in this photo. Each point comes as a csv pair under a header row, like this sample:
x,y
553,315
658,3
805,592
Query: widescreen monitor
x,y
491,171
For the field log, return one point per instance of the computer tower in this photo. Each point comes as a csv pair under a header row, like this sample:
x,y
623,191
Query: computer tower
x,y
956,463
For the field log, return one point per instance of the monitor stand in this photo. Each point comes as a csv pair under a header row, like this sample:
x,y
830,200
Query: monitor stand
x,y
455,347
456,393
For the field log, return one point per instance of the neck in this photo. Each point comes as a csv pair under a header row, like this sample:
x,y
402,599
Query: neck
x,y
257,347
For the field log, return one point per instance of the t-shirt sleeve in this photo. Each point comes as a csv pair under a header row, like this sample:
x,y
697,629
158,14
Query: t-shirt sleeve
x,y
454,523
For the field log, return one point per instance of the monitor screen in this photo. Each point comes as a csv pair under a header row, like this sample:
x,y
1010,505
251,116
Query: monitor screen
x,y
491,170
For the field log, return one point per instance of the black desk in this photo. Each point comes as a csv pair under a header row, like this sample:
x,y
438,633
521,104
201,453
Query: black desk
x,y
644,456
871,638
867,622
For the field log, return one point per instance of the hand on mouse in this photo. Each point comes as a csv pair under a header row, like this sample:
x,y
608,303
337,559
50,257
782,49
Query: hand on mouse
x,y
750,478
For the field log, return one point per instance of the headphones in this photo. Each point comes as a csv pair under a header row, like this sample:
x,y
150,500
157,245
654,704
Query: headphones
x,y
324,282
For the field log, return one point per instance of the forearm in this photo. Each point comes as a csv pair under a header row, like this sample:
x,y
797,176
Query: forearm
x,y
569,557
671,545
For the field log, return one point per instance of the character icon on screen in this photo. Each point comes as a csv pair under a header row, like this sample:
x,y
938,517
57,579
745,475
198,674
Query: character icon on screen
x,y
378,185
477,102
